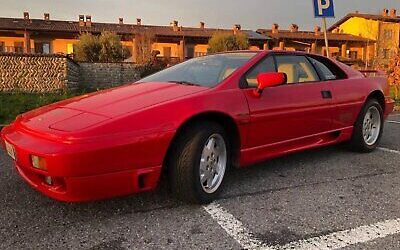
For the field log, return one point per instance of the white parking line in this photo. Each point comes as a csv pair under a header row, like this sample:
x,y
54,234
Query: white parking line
x,y
389,150
233,227
337,240
396,122
347,238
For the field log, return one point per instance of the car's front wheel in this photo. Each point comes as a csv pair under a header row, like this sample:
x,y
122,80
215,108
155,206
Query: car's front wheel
x,y
368,128
199,162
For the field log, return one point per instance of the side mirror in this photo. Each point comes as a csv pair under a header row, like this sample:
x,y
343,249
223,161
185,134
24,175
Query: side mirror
x,y
270,79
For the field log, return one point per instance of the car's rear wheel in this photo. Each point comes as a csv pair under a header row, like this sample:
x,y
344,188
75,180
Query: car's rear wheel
x,y
199,162
368,128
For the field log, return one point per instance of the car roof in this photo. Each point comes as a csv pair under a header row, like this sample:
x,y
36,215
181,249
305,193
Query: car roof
x,y
265,52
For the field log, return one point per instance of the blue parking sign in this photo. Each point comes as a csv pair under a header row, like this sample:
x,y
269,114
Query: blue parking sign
x,y
324,8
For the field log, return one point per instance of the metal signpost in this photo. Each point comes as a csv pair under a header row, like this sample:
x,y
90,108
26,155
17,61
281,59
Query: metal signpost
x,y
324,9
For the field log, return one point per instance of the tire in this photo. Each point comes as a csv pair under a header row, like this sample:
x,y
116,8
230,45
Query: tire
x,y
185,164
360,140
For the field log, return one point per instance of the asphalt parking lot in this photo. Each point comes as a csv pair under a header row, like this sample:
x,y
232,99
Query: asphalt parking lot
x,y
327,197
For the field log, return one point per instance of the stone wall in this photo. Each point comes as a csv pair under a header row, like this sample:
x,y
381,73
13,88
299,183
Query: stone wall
x,y
105,75
37,73
51,73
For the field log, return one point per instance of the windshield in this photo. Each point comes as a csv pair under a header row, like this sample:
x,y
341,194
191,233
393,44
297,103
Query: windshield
x,y
205,71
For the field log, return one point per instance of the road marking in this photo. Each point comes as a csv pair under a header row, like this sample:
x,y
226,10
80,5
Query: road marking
x,y
396,122
390,150
347,238
233,227
336,240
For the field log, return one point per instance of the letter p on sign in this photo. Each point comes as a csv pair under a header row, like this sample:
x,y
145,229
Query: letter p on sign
x,y
324,8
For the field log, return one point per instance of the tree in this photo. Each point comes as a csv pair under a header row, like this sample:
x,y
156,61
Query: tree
x,y
111,48
87,49
221,42
394,74
143,47
104,48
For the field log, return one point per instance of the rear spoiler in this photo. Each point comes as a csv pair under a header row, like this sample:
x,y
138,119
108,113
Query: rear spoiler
x,y
373,73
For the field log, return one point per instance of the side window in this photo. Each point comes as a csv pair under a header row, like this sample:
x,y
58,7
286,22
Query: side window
x,y
265,65
297,68
325,72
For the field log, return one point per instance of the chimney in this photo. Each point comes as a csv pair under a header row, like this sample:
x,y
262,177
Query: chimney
x,y
120,21
317,30
236,28
275,28
81,20
175,25
26,15
46,16
385,12
202,25
138,21
393,13
88,20
294,28
336,30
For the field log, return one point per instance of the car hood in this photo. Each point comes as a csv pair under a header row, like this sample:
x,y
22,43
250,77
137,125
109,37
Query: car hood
x,y
85,111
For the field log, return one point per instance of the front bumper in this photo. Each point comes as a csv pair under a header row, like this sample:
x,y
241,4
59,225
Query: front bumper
x,y
90,171
88,188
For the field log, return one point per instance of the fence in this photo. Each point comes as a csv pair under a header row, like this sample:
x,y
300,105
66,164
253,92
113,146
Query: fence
x,y
50,73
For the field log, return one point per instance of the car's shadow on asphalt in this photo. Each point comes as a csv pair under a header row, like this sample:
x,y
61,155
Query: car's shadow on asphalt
x,y
238,182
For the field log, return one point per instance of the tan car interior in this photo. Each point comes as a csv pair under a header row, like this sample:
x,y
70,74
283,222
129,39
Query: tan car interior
x,y
297,72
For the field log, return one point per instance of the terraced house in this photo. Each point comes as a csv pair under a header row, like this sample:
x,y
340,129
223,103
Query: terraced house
x,y
47,36
348,48
383,28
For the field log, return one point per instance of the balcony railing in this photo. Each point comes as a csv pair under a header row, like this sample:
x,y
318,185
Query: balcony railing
x,y
13,49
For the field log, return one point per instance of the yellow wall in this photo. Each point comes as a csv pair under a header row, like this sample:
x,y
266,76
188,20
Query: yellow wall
x,y
254,48
394,42
61,45
9,41
360,27
374,30
201,48
160,47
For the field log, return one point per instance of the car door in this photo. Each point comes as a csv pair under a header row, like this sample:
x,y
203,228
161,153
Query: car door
x,y
298,109
346,101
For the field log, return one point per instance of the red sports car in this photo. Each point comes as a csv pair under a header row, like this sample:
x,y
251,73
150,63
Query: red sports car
x,y
195,120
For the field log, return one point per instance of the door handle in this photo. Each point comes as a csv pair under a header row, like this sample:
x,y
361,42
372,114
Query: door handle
x,y
326,94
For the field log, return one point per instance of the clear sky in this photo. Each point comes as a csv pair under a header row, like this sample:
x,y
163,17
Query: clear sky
x,y
251,14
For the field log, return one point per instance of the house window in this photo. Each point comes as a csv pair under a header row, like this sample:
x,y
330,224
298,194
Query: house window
x,y
2,47
388,34
386,53
167,52
127,52
19,47
353,55
335,54
190,52
42,47
70,48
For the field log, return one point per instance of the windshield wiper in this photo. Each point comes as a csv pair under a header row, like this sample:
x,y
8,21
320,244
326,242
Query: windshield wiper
x,y
185,83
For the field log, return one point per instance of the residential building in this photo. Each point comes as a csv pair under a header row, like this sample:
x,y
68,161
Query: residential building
x,y
345,47
174,42
383,28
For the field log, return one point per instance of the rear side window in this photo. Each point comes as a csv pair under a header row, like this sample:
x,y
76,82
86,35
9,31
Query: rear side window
x,y
297,69
326,69
323,70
